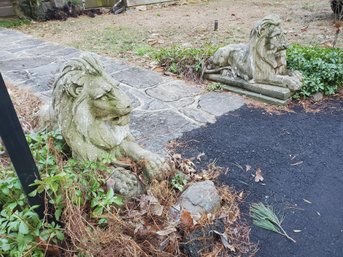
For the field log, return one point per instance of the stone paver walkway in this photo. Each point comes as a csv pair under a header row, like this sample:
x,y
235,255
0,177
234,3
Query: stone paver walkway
x,y
164,108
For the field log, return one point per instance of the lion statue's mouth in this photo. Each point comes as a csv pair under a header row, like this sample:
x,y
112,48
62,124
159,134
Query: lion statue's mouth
x,y
118,121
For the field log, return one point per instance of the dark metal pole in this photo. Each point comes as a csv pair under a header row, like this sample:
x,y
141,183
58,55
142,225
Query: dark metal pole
x,y
15,142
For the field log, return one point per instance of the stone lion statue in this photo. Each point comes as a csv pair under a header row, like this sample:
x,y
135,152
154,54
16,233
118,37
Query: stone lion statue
x,y
93,114
262,60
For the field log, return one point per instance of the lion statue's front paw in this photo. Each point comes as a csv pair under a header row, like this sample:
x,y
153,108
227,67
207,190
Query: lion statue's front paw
x,y
153,166
293,81
123,182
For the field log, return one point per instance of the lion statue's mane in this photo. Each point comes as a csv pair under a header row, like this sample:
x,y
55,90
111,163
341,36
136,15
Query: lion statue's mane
x,y
262,60
81,83
93,115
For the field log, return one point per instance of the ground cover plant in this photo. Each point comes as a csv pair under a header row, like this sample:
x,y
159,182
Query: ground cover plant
x,y
92,221
322,68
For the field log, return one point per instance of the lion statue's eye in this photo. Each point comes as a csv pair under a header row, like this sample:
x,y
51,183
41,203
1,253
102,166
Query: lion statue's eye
x,y
105,98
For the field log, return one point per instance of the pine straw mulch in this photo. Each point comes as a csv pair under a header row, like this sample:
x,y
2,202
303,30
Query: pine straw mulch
x,y
26,105
146,227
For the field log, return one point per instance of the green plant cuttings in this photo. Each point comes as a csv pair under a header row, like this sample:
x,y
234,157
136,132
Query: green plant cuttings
x,y
265,217
322,68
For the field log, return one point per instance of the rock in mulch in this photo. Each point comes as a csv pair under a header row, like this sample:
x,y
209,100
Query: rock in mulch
x,y
200,198
317,97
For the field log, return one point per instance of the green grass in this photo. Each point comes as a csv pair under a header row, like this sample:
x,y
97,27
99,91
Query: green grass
x,y
11,23
114,41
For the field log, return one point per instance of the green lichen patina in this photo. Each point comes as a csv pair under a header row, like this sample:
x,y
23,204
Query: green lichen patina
x,y
93,115
262,60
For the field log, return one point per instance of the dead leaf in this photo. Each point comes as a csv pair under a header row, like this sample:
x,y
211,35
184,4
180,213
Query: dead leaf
x,y
258,175
186,219
241,195
168,230
247,167
168,73
303,29
157,209
152,41
225,241
307,201
199,156
297,163
158,69
297,230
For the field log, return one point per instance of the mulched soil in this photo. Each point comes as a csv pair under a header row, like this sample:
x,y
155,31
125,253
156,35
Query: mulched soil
x,y
301,158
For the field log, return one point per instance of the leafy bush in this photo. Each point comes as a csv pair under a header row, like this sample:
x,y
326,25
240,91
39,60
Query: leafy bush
x,y
322,68
186,62
65,181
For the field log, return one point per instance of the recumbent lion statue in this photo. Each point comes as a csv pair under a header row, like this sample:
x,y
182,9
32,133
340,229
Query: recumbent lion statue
x,y
93,115
262,60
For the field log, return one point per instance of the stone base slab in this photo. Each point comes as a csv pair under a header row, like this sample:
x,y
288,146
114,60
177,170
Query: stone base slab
x,y
269,91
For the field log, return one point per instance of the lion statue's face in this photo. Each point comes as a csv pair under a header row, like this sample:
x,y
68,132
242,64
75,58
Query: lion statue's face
x,y
276,40
107,102
91,110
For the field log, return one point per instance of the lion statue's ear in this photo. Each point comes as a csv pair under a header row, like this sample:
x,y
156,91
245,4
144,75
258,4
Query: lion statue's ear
x,y
73,90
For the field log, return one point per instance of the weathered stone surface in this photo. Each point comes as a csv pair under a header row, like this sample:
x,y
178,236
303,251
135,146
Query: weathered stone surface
x,y
260,97
155,121
23,63
200,198
198,115
261,61
139,78
317,97
113,66
172,91
163,126
220,103
93,115
148,103
183,102
281,93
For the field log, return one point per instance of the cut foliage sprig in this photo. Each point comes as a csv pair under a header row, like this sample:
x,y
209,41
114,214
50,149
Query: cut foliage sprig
x,y
265,217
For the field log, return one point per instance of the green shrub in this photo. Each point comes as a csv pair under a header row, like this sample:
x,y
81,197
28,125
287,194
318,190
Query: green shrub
x,y
322,68
65,181
186,62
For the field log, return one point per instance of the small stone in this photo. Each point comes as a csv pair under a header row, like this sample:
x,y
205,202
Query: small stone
x,y
317,97
141,8
219,103
200,198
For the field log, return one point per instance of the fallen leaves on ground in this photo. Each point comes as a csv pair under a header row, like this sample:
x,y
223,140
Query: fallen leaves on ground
x,y
258,175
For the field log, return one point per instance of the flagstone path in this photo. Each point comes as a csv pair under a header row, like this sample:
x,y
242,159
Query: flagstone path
x,y
164,108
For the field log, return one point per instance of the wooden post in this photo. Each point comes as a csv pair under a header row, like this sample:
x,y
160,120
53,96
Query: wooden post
x,y
15,142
